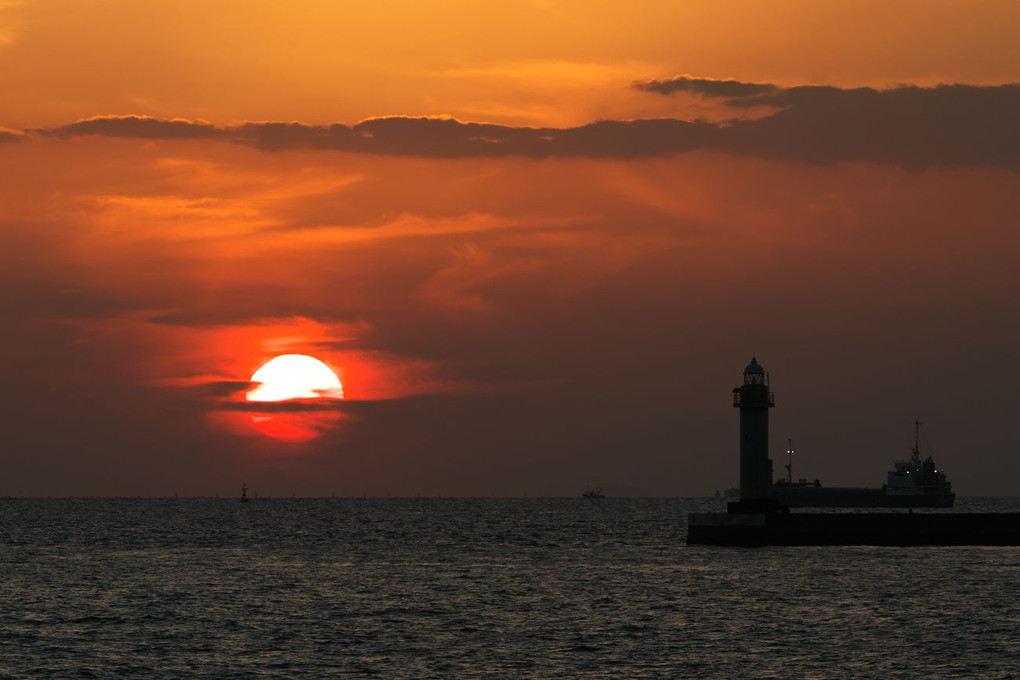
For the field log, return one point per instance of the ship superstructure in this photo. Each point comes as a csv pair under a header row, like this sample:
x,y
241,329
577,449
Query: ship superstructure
x,y
917,477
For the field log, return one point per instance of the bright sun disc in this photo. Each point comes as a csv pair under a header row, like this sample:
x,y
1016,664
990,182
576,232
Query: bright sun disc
x,y
295,376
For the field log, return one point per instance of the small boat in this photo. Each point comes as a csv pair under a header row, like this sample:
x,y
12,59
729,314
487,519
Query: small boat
x,y
244,493
593,493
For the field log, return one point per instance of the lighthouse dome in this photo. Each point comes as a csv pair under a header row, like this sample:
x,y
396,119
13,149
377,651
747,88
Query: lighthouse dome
x,y
754,367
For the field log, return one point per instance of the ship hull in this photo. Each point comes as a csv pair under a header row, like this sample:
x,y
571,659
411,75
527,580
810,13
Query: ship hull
x,y
847,497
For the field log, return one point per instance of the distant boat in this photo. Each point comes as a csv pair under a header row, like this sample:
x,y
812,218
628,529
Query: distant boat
x,y
592,493
244,493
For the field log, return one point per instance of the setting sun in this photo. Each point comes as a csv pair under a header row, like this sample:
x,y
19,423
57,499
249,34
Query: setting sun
x,y
288,377
295,376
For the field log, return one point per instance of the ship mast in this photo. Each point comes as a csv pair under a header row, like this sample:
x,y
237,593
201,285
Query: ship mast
x,y
916,453
789,465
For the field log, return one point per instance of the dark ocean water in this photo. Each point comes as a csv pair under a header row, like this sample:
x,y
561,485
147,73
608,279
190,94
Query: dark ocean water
x,y
461,588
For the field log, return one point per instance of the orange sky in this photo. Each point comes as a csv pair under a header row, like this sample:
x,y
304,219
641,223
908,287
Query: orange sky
x,y
511,311
534,62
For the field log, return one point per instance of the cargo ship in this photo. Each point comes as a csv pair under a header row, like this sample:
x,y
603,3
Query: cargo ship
x,y
914,483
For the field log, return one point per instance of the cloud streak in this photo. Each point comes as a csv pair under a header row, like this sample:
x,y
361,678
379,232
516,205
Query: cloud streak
x,y
141,127
289,406
913,127
707,87
8,135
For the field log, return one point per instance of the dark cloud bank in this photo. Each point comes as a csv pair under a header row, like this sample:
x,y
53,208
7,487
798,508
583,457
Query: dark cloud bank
x,y
944,126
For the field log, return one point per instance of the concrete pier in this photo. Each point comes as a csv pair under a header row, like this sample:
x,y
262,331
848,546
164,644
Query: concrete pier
x,y
857,528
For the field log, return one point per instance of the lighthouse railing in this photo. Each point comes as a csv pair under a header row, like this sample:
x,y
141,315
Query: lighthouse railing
x,y
737,402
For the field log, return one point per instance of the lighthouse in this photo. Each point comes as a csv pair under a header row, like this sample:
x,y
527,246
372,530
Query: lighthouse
x,y
754,400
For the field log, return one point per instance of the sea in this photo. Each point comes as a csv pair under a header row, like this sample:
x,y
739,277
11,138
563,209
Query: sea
x,y
480,588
